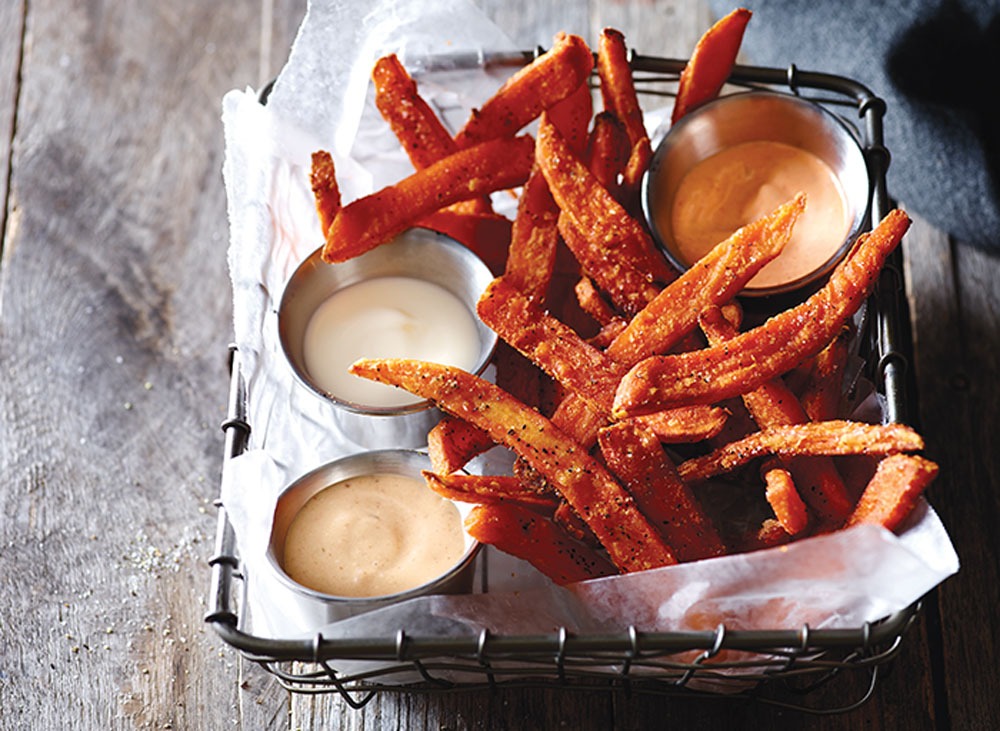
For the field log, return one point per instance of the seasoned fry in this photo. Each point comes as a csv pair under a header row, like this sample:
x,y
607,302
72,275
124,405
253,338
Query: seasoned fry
x,y
534,237
818,437
326,191
684,425
784,499
890,495
593,303
628,287
539,541
773,404
711,63
631,542
634,454
375,219
488,489
553,346
715,280
423,136
608,151
550,78
758,355
452,442
571,116
821,394
618,93
593,210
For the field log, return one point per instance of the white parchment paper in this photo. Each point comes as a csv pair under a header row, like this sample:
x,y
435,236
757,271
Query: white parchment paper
x,y
322,100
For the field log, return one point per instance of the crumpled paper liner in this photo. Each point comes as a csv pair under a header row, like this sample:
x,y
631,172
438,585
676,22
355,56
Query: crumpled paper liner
x,y
322,100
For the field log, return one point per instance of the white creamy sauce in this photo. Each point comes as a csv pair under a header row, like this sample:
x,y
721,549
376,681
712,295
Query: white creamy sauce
x,y
373,535
386,317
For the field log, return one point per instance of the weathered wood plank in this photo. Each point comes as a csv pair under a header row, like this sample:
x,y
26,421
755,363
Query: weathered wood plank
x,y
115,309
11,30
955,308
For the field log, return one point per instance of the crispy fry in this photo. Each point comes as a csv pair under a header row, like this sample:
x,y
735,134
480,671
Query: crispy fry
x,y
618,93
571,116
488,489
890,495
758,355
375,219
818,437
593,210
821,393
608,151
784,499
534,237
552,345
631,542
323,180
550,78
418,129
773,404
452,442
593,303
634,454
567,519
685,425
711,63
527,535
628,288
716,279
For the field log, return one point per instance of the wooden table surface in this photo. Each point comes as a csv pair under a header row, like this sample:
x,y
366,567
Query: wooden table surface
x,y
115,312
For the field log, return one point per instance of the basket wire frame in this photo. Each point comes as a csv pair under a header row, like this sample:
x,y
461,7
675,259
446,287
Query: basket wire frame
x,y
778,667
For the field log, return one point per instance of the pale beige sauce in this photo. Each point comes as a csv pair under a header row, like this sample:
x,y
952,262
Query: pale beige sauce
x,y
373,535
740,184
386,317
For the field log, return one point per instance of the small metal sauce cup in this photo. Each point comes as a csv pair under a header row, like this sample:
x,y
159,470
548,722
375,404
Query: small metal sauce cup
x,y
751,116
418,253
307,608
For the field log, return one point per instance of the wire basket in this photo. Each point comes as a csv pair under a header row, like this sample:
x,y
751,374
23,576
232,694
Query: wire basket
x,y
775,666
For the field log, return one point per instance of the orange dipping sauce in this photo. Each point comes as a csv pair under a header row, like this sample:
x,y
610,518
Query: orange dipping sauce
x,y
742,183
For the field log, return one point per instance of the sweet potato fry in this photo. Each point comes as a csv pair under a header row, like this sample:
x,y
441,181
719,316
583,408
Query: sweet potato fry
x,y
326,191
423,136
550,78
539,541
890,495
372,220
689,424
627,286
488,489
593,303
773,404
710,63
818,437
553,346
593,210
452,442
631,542
822,391
715,280
719,372
534,237
785,500
608,151
571,116
634,454
618,93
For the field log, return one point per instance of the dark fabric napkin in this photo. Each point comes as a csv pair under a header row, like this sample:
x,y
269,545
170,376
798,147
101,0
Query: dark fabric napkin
x,y
936,63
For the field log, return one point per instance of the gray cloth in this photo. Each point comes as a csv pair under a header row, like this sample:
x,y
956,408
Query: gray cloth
x,y
937,65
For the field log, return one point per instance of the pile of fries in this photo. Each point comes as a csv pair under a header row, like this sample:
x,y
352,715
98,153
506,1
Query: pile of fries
x,y
622,386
